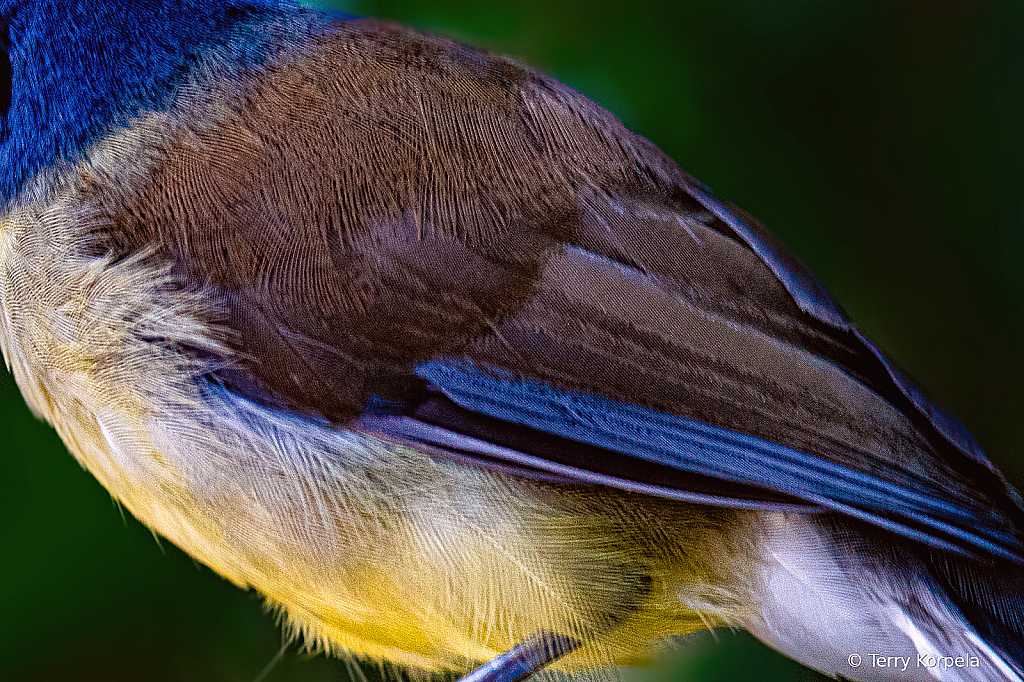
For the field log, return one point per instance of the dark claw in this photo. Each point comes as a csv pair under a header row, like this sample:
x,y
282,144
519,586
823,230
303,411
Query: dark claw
x,y
524,659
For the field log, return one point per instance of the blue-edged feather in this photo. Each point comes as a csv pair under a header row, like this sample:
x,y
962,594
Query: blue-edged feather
x,y
812,297
693,446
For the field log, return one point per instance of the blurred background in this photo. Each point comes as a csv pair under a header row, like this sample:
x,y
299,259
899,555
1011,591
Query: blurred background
x,y
883,141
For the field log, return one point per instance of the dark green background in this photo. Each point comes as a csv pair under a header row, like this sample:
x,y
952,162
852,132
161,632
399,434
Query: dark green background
x,y
882,141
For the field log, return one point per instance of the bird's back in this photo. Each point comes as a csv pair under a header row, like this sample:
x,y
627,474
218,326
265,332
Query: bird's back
x,y
435,353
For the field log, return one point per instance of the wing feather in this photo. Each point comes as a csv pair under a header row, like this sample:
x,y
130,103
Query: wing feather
x,y
411,236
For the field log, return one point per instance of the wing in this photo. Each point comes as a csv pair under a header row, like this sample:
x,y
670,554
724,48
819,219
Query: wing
x,y
444,247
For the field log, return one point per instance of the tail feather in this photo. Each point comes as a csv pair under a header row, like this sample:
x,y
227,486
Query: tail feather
x,y
991,599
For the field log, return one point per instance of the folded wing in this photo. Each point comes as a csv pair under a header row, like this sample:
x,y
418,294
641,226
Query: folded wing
x,y
440,245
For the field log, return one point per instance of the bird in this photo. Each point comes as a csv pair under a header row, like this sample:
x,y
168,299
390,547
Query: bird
x,y
456,370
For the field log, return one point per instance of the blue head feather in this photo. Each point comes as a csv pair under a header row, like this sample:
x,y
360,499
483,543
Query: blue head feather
x,y
78,69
